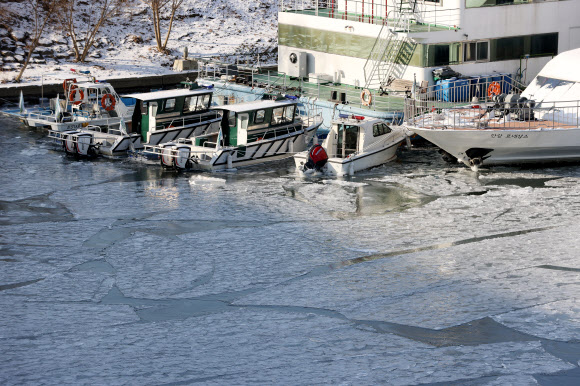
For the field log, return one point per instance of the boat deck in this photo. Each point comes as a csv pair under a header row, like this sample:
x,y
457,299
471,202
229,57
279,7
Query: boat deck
x,y
368,19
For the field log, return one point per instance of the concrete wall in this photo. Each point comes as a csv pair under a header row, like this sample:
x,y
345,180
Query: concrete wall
x,y
122,85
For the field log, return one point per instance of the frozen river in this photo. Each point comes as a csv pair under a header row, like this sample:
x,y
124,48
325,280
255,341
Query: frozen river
x,y
113,272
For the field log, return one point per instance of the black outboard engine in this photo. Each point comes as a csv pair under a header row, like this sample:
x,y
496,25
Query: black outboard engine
x,y
526,109
317,158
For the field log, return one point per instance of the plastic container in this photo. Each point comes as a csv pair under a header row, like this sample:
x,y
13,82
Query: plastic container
x,y
506,85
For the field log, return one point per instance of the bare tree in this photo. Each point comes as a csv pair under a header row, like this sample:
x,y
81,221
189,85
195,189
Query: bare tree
x,y
97,15
43,13
158,9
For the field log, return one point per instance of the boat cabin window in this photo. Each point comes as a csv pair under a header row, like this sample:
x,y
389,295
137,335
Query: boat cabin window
x,y
144,108
232,119
260,116
169,105
203,102
196,103
347,140
282,115
380,129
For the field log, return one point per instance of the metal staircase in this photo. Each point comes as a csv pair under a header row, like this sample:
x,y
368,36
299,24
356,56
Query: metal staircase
x,y
391,46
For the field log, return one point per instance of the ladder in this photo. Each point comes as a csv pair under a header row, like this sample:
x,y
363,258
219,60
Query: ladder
x,y
389,44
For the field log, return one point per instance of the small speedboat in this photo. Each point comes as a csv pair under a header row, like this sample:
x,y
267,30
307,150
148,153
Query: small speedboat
x,y
353,144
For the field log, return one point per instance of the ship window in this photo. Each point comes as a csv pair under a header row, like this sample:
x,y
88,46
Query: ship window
x,y
232,119
144,108
189,104
169,105
475,51
203,102
289,113
260,116
380,129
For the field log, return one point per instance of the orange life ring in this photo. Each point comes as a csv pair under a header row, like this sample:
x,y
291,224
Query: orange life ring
x,y
67,81
72,95
111,104
366,97
493,89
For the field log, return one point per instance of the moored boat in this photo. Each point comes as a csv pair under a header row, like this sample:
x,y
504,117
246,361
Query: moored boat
x,y
539,125
250,133
85,103
353,144
159,116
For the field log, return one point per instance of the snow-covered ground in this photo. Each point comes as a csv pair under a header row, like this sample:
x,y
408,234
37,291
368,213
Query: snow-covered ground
x,y
125,46
416,272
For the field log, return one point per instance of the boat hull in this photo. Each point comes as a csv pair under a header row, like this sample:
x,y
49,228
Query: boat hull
x,y
507,146
353,164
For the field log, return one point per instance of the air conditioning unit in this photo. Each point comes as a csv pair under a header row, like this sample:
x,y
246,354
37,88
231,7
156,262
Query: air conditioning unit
x,y
298,64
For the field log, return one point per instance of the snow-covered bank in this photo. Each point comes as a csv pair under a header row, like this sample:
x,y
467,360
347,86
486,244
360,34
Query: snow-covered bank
x,y
126,46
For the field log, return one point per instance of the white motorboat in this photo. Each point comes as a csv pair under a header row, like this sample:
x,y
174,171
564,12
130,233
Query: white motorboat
x,y
86,103
250,133
353,144
91,141
160,116
539,125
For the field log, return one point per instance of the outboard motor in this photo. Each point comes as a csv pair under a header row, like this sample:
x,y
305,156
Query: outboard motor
x,y
68,141
167,155
85,145
317,158
181,159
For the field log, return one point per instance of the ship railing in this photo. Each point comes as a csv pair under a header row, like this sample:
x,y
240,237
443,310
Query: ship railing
x,y
205,117
422,16
523,114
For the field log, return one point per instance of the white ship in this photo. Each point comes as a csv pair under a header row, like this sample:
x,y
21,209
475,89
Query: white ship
x,y
542,124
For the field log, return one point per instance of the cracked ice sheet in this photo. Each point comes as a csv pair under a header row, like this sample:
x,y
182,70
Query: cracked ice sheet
x,y
251,346
450,219
257,261
445,287
41,170
559,320
47,320
66,287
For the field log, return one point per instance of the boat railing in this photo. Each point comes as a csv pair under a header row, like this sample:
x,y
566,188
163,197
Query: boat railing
x,y
516,114
207,116
263,79
417,17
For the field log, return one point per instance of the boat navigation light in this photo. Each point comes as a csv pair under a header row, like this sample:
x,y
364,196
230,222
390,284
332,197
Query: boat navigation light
x,y
358,117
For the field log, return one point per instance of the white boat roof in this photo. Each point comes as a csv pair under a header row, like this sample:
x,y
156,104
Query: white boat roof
x,y
564,66
164,94
253,106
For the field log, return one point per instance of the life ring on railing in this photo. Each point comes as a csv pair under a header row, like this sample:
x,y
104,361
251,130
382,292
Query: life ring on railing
x,y
67,81
108,102
72,95
493,89
366,98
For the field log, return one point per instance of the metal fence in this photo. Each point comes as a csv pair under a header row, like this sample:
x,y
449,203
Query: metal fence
x,y
421,16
